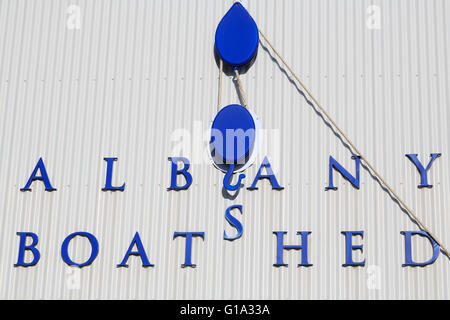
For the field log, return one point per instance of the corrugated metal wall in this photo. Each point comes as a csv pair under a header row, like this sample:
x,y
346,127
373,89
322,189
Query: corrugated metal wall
x,y
137,80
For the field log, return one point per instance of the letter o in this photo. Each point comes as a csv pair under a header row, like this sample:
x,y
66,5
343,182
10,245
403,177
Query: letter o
x,y
94,245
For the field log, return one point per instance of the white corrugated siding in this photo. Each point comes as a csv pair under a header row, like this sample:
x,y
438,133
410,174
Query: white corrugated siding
x,y
139,70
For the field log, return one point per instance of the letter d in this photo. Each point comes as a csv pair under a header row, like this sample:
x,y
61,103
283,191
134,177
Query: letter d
x,y
408,252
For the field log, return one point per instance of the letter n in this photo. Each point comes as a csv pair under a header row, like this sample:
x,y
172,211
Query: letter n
x,y
336,165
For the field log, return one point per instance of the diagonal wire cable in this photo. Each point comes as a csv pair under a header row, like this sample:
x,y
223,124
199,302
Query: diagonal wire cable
x,y
219,90
357,152
241,90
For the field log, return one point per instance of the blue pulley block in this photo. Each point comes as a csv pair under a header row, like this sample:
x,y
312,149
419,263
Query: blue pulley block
x,y
237,37
233,134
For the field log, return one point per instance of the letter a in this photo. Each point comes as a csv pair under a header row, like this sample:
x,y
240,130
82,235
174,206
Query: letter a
x,y
43,177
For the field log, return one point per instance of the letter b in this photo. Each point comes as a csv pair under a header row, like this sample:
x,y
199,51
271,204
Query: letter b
x,y
175,172
31,247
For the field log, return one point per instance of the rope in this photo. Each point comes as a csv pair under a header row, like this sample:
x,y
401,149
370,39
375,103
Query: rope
x,y
219,91
393,193
241,91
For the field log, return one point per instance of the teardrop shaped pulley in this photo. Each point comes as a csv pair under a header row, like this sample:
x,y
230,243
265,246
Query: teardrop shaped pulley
x,y
237,37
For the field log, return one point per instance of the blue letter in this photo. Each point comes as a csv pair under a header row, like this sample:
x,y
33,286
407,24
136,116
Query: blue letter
x,y
65,245
140,252
423,172
335,165
227,179
408,255
32,247
281,247
349,247
188,251
43,177
270,175
234,222
176,172
109,173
